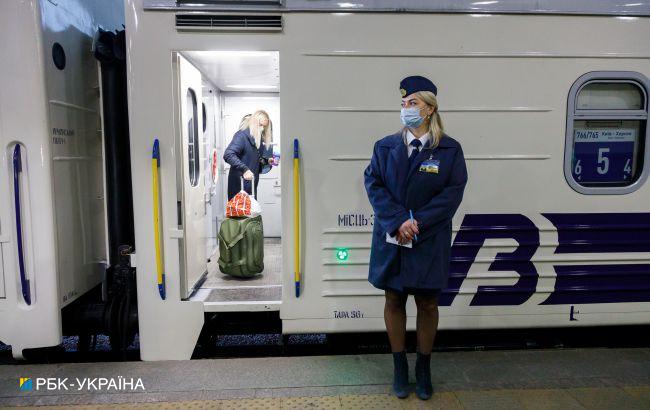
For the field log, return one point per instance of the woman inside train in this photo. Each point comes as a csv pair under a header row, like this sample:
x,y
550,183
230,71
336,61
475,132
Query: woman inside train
x,y
415,184
250,152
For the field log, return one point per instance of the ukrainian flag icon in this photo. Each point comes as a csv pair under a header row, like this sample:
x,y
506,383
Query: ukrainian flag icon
x,y
26,384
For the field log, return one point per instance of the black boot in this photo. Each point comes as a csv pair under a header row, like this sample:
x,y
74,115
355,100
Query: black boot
x,y
423,388
400,375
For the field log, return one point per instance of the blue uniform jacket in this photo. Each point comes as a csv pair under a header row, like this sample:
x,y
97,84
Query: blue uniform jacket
x,y
242,155
393,189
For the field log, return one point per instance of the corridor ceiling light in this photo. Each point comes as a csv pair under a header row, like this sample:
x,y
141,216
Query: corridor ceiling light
x,y
350,5
251,86
235,53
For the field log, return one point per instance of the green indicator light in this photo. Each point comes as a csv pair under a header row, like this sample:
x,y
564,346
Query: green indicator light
x,y
342,254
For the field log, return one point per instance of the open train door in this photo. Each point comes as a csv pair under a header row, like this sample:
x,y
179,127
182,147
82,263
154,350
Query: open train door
x,y
190,183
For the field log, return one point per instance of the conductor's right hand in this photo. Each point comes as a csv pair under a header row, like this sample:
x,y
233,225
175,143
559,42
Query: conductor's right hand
x,y
248,175
407,231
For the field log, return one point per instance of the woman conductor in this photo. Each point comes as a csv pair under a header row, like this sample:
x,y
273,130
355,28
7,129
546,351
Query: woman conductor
x,y
249,152
415,183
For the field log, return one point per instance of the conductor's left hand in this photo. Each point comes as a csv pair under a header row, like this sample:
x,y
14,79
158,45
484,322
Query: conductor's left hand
x,y
407,231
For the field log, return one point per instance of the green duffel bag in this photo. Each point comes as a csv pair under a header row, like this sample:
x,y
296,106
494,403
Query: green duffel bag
x,y
241,246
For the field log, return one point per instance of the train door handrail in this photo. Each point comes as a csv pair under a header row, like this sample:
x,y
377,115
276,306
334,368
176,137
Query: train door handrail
x,y
296,214
24,281
155,182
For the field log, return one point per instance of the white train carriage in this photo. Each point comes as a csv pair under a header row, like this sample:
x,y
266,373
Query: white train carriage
x,y
53,232
548,99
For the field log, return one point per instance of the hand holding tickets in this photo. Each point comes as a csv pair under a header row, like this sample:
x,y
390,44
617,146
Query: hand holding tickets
x,y
405,234
394,241
408,231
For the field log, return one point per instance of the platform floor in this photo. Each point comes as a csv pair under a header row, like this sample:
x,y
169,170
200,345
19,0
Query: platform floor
x,y
266,286
523,379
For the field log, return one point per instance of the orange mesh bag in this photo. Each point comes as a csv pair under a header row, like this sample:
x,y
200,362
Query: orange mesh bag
x,y
243,204
239,205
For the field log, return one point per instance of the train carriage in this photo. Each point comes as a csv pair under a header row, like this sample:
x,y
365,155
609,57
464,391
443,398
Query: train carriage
x,y
548,99
53,231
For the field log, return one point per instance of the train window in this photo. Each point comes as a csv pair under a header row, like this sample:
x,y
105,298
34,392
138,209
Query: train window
x,y
58,56
605,95
193,138
606,135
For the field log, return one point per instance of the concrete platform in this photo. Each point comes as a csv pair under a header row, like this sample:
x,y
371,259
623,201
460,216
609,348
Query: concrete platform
x,y
530,379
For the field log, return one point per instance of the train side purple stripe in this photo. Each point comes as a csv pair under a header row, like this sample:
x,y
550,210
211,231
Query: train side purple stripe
x,y
602,232
577,233
600,284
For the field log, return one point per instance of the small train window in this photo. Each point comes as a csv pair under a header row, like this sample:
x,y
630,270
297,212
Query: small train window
x,y
58,56
606,149
193,138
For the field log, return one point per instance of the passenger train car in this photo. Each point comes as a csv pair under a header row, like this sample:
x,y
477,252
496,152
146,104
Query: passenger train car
x,y
548,99
53,220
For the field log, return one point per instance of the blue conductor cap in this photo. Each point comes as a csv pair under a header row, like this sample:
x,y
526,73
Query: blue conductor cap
x,y
416,83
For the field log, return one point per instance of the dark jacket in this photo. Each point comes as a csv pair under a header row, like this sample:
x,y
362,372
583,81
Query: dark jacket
x,y
393,189
242,155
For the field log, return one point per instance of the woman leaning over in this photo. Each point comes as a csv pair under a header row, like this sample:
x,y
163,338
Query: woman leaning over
x,y
249,152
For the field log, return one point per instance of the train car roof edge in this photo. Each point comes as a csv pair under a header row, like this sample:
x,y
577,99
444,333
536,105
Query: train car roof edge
x,y
639,8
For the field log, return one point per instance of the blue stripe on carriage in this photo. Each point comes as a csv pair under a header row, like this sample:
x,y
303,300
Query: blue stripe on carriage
x,y
577,233
600,284
602,232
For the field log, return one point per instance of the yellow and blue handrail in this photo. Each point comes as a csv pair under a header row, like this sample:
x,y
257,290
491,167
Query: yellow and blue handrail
x,y
296,214
155,172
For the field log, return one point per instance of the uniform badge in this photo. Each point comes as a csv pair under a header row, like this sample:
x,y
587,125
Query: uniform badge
x,y
403,92
430,166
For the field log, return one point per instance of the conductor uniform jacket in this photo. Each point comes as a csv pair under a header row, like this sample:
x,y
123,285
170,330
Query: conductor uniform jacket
x,y
432,188
243,155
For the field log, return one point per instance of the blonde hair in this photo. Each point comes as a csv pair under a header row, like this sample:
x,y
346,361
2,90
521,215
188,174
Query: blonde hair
x,y
252,121
436,129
